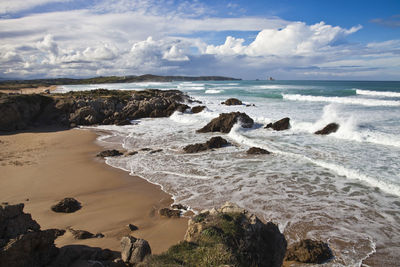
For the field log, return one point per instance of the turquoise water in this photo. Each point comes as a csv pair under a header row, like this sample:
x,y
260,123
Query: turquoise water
x,y
343,188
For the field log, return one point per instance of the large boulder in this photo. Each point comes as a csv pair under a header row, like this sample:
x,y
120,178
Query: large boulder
x,y
232,102
228,236
225,122
198,109
309,251
134,250
280,125
67,205
214,142
328,129
22,243
257,151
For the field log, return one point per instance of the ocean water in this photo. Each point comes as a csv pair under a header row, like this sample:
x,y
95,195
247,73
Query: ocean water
x,y
343,188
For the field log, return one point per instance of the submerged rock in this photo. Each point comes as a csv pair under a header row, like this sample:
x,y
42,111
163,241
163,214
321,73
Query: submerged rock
x,y
110,153
214,142
232,102
309,251
328,129
225,122
280,125
134,250
257,151
67,205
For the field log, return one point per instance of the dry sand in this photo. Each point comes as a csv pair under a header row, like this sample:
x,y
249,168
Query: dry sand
x,y
41,168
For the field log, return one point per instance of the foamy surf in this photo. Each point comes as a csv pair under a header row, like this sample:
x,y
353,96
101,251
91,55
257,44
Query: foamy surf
x,y
377,93
342,100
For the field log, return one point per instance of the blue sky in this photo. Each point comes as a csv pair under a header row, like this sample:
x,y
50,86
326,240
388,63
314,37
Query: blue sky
x,y
286,39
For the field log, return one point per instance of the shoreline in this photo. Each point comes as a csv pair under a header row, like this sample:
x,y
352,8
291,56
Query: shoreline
x,y
42,167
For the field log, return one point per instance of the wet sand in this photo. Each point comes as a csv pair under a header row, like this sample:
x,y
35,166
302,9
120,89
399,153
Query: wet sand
x,y
42,167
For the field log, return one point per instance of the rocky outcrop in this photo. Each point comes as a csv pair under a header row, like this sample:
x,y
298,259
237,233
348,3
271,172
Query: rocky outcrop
x,y
83,234
309,251
228,236
67,205
99,106
22,243
134,250
214,142
328,129
257,151
232,102
280,125
198,109
225,122
109,153
170,213
132,227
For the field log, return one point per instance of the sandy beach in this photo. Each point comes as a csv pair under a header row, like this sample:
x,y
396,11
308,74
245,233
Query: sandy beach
x,y
42,167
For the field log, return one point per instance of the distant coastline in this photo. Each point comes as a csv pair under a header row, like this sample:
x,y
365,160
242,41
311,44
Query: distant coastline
x,y
35,83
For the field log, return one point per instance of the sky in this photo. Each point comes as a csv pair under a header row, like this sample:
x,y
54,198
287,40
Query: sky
x,y
286,39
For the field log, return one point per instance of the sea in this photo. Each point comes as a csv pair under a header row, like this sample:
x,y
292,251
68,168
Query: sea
x,y
343,188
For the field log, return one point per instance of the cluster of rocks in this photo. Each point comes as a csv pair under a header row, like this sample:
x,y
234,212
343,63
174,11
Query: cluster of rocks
x,y
214,142
99,106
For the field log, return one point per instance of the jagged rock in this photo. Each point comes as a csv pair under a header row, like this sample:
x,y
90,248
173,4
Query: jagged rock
x,y
225,122
22,241
134,250
67,205
214,142
257,151
109,153
309,251
179,207
198,109
166,212
280,125
328,129
82,234
132,227
232,102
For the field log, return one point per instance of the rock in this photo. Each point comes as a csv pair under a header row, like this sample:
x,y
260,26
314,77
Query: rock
x,y
132,153
67,205
82,234
309,251
132,227
280,125
328,129
198,109
123,122
109,153
232,101
134,250
22,243
179,207
257,151
214,142
225,122
170,213
155,151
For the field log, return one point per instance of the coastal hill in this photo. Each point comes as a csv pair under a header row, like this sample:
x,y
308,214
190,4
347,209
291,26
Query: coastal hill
x,y
18,84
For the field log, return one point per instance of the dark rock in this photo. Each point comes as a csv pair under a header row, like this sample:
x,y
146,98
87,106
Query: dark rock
x,y
132,153
67,205
82,234
170,213
214,142
232,102
109,153
123,122
257,151
134,250
280,125
132,227
328,129
155,151
145,149
225,122
309,251
179,207
198,109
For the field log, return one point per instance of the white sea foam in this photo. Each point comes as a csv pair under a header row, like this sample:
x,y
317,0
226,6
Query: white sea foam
x,y
342,100
213,91
377,93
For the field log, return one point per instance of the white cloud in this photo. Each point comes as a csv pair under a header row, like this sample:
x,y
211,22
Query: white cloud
x,y
14,6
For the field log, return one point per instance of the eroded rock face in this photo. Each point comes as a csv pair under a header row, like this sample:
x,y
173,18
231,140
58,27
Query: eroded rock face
x,y
134,250
232,102
214,142
280,125
67,205
225,122
250,241
309,251
328,129
257,151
